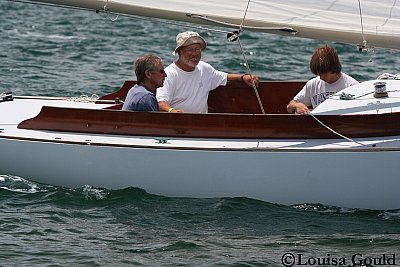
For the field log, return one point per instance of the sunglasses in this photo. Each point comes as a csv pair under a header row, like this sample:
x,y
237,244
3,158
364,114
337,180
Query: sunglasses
x,y
161,71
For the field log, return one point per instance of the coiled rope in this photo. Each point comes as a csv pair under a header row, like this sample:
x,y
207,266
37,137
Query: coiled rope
x,y
387,76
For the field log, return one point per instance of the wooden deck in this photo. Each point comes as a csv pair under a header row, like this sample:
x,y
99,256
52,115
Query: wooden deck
x,y
234,113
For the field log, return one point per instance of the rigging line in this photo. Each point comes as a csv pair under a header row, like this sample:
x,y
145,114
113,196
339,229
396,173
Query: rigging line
x,y
48,4
122,15
251,77
231,25
82,98
105,9
359,96
362,23
170,22
245,60
164,21
364,46
390,14
244,16
338,134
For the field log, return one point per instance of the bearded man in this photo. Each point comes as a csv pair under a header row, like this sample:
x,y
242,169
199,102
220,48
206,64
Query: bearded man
x,y
189,80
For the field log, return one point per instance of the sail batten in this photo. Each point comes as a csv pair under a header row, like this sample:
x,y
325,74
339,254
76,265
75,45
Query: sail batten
x,y
377,22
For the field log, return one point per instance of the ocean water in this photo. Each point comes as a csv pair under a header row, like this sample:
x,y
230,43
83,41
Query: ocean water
x,y
62,52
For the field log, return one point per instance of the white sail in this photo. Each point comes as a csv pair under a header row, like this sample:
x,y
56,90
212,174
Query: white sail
x,y
349,21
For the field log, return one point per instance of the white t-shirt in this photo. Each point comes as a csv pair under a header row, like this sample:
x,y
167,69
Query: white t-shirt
x,y
189,90
316,91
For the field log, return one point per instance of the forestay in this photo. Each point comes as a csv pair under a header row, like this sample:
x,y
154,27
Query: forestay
x,y
376,22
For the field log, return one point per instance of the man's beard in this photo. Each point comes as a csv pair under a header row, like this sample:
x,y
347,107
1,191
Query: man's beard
x,y
189,62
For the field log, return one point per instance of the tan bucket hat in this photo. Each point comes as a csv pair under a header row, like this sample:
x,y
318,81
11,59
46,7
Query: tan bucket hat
x,y
188,38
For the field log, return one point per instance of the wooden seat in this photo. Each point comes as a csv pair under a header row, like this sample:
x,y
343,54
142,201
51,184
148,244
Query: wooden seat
x,y
236,97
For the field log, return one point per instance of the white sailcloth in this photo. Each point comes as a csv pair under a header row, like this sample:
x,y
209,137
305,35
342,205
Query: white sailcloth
x,y
350,21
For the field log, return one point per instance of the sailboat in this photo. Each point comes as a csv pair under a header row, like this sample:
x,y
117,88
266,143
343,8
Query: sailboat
x,y
344,153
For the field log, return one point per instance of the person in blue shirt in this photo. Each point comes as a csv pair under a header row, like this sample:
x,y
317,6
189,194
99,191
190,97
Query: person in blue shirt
x,y
150,75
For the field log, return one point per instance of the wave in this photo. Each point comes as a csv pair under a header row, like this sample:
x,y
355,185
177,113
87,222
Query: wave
x,y
231,206
41,36
19,184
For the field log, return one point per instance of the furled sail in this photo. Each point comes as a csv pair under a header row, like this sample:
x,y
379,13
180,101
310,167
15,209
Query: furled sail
x,y
361,22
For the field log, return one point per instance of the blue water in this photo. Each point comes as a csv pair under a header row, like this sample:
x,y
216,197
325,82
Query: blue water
x,y
63,52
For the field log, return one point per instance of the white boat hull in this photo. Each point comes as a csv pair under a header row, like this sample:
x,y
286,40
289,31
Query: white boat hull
x,y
365,179
358,173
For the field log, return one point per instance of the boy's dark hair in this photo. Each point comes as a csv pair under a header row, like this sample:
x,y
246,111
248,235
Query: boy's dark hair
x,y
325,59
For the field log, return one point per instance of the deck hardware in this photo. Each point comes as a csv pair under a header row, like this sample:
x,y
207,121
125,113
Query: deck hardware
x,y
380,90
161,141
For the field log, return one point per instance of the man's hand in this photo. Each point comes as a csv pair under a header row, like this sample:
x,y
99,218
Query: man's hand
x,y
247,79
